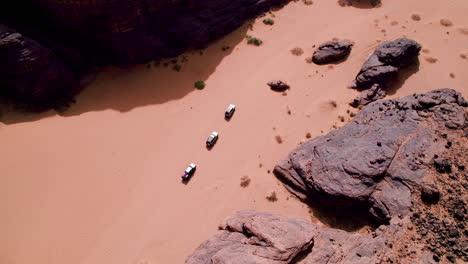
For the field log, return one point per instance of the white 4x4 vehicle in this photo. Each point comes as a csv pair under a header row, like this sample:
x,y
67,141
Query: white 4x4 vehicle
x,y
189,172
212,139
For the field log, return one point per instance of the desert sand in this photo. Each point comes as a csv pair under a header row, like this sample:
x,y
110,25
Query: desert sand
x,y
101,182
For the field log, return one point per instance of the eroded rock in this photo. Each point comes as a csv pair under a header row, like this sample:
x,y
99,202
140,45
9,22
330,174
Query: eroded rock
x,y
379,159
332,51
254,237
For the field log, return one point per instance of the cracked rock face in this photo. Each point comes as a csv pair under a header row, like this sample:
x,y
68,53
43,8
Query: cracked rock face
x,y
380,158
332,51
253,237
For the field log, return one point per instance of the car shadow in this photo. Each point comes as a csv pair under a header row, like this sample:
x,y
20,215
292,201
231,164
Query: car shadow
x,y
123,90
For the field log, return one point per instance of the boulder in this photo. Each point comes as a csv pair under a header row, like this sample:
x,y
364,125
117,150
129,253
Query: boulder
x,y
380,158
385,63
332,51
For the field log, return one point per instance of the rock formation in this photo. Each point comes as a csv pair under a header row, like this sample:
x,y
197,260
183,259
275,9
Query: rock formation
x,y
383,67
332,51
253,237
73,36
380,158
250,237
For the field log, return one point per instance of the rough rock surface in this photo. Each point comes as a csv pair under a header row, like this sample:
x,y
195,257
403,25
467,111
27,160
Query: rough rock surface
x,y
253,237
385,63
378,160
66,37
370,95
332,51
278,86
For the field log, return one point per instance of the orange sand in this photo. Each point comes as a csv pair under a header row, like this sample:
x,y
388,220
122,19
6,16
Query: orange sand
x,y
101,184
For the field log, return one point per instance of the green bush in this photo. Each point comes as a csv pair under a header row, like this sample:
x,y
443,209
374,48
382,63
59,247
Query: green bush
x,y
253,41
199,85
268,21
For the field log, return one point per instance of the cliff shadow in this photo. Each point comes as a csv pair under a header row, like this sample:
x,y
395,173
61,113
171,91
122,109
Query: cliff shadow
x,y
155,82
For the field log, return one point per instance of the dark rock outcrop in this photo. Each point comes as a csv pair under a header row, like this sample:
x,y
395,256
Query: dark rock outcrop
x,y
332,51
386,61
380,158
65,38
253,237
278,86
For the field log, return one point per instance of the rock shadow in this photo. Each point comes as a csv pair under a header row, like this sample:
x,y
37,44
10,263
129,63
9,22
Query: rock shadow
x,y
123,90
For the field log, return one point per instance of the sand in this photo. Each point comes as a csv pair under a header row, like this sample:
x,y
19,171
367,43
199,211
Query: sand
x,y
101,183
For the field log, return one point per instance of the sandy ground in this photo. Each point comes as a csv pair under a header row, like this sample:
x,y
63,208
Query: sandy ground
x,y
100,184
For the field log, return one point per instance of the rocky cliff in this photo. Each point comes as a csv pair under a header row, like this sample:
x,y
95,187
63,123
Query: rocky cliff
x,y
50,43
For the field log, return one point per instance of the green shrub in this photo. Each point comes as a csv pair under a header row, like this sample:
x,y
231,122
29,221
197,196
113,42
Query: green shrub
x,y
199,85
253,41
268,21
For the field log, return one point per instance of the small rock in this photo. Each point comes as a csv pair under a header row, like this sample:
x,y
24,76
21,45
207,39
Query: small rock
x,y
272,197
430,193
332,51
453,232
442,165
278,86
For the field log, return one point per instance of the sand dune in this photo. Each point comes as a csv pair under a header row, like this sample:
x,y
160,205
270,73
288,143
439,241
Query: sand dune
x,y
101,183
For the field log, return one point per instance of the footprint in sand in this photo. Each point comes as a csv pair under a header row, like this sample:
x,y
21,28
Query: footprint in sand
x,y
297,51
394,23
245,181
279,139
430,59
446,22
425,51
416,17
463,30
452,75
463,55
